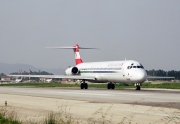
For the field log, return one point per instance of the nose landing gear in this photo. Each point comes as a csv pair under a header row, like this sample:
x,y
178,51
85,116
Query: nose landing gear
x,y
138,86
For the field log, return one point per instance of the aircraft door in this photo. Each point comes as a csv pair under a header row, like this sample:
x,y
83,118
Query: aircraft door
x,y
126,74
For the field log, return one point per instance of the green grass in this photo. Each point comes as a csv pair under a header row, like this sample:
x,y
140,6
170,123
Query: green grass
x,y
163,85
4,120
167,85
8,117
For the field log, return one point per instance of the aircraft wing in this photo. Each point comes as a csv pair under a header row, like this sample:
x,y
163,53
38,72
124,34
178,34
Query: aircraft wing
x,y
77,77
158,77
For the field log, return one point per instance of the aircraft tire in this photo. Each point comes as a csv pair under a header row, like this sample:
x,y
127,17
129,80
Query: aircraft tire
x,y
112,86
86,86
82,85
138,88
109,86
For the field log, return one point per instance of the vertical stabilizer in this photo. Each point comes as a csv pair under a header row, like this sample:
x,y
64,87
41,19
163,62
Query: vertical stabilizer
x,y
78,59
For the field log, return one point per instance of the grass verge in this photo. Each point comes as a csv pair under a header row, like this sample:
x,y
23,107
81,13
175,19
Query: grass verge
x,y
162,85
101,116
8,116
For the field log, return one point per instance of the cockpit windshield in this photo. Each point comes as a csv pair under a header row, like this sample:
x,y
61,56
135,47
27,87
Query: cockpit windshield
x,y
130,67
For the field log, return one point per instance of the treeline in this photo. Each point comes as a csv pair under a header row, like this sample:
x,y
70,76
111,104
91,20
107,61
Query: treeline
x,y
28,73
31,73
163,73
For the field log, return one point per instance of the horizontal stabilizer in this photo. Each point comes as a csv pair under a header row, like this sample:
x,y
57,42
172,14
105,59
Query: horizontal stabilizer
x,y
69,48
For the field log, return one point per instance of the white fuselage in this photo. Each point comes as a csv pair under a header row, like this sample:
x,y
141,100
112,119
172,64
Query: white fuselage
x,y
128,71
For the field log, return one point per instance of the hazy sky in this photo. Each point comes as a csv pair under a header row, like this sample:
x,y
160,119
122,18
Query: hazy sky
x,y
144,30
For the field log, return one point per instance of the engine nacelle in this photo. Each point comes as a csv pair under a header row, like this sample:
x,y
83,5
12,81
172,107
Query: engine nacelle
x,y
72,71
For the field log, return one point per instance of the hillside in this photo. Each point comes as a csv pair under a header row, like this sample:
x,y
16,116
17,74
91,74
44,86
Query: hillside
x,y
9,68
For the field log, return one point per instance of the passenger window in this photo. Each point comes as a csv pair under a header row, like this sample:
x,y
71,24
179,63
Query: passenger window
x,y
134,66
138,67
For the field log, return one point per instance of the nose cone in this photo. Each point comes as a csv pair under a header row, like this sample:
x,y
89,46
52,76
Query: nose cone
x,y
141,76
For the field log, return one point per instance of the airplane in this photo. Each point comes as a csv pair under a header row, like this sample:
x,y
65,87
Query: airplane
x,y
125,71
19,80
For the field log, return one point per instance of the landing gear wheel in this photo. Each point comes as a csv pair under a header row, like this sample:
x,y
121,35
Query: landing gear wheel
x,y
111,86
138,88
108,86
84,85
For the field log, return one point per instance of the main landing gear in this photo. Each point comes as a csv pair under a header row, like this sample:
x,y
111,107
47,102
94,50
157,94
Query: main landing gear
x,y
111,85
84,85
138,86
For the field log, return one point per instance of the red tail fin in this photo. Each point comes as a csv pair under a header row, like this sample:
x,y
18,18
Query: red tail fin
x,y
78,59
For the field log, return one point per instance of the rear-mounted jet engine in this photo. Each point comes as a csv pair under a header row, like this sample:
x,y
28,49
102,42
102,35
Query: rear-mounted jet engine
x,y
72,71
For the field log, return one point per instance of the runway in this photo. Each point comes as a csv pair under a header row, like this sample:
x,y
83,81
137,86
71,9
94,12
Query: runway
x,y
141,104
159,98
